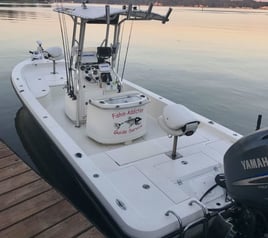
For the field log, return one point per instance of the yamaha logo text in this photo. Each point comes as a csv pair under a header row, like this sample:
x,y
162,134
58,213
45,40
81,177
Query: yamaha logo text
x,y
255,163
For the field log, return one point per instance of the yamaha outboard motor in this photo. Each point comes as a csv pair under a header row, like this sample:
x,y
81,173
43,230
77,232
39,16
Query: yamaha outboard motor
x,y
246,174
246,170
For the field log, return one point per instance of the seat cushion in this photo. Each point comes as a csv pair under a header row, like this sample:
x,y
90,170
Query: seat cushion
x,y
177,116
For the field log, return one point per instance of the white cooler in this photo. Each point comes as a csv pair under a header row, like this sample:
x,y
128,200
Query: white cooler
x,y
117,118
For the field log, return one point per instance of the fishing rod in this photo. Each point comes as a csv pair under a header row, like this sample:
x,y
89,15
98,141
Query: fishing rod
x,y
125,60
65,42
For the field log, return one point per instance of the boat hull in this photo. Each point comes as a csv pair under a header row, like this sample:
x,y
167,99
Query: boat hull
x,y
102,179
56,170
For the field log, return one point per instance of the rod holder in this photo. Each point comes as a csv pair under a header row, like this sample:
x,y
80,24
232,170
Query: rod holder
x,y
258,126
107,11
129,11
167,16
149,11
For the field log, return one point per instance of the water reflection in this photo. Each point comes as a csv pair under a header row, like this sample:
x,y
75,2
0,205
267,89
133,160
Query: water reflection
x,y
24,5
18,12
10,15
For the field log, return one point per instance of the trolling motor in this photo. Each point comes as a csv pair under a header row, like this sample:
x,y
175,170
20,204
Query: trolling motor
x,y
38,53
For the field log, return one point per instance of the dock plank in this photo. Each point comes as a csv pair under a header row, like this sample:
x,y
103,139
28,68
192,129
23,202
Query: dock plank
x,y
67,228
2,145
23,193
29,207
9,160
41,221
93,232
18,181
12,170
4,151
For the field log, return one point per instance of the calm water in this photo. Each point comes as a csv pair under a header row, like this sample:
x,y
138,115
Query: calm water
x,y
213,61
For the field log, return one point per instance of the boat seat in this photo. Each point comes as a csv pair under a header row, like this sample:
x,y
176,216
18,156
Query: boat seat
x,y
178,120
54,53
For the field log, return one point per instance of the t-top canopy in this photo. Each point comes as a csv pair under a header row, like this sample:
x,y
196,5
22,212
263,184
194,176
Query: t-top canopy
x,y
110,15
89,12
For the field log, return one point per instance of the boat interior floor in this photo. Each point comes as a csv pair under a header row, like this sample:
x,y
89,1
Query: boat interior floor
x,y
205,148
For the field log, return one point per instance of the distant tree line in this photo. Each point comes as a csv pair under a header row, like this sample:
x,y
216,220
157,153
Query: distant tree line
x,y
191,3
187,3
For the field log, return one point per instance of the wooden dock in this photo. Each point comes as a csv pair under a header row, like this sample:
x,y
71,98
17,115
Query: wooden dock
x,y
29,207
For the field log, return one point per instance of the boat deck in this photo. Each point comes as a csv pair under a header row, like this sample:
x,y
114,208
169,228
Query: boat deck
x,y
29,207
140,166
145,159
54,104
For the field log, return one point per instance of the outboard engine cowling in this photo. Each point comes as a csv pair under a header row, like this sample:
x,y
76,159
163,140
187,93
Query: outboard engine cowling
x,y
246,170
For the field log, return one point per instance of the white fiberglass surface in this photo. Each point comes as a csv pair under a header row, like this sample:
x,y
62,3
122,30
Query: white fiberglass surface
x,y
142,169
155,140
